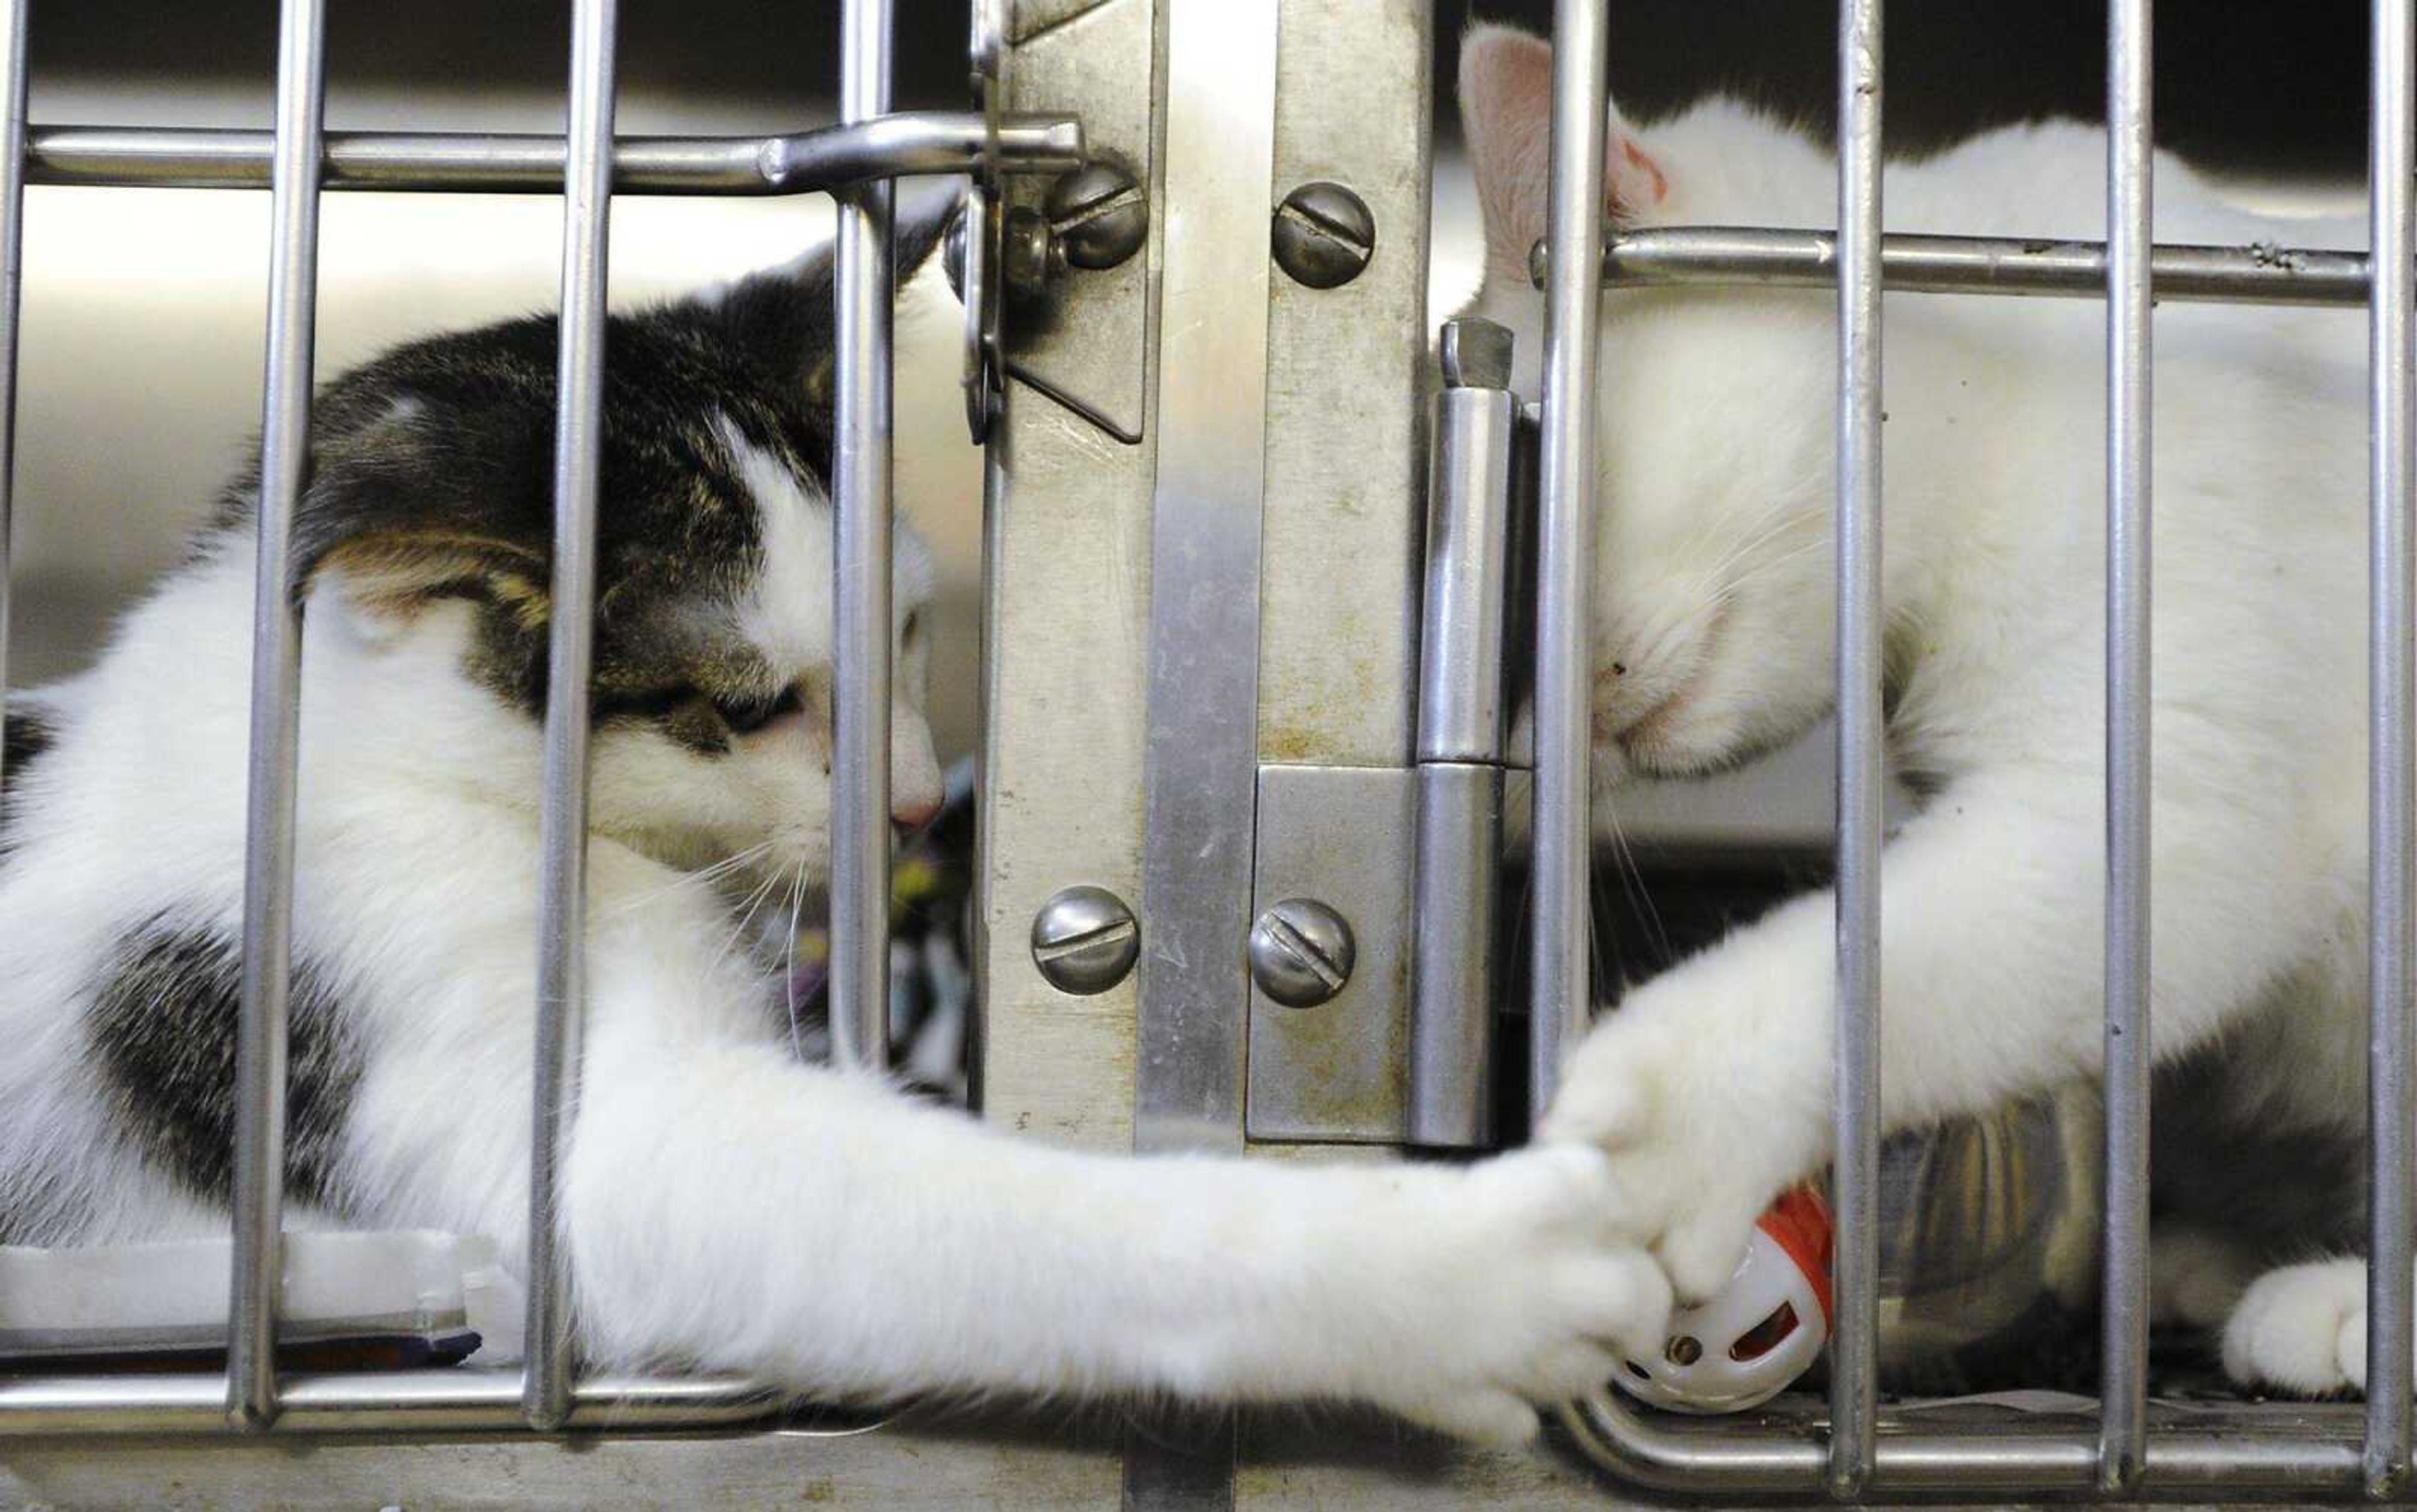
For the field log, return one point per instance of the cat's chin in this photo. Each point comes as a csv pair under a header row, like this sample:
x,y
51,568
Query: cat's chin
x,y
1677,754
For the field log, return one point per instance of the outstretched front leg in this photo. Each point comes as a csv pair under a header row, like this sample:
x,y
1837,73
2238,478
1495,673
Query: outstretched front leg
x,y
1710,1086
727,1207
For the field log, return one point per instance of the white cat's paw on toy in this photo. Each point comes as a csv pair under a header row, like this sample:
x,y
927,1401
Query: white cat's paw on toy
x,y
1530,1293
1693,1174
2303,1329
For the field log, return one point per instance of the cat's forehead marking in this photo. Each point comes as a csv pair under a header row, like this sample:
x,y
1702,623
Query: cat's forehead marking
x,y
786,611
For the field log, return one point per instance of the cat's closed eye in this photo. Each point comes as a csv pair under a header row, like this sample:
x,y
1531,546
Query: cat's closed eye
x,y
652,704
746,715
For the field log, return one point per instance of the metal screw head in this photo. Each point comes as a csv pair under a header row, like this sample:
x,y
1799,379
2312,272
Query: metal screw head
x,y
1301,952
1685,1350
1085,941
1324,235
1098,216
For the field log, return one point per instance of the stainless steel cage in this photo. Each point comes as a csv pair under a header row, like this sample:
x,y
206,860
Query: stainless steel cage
x,y
856,159
2124,1456
1209,103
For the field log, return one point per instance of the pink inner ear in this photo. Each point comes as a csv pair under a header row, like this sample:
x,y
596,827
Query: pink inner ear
x,y
1506,96
1506,111
1633,182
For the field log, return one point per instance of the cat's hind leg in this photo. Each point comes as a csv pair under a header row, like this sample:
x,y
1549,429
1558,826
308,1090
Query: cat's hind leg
x,y
2303,1329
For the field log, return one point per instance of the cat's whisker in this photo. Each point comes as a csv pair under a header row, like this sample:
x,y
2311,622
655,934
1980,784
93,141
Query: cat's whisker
x,y
1717,577
1632,882
754,904
789,963
1787,558
702,877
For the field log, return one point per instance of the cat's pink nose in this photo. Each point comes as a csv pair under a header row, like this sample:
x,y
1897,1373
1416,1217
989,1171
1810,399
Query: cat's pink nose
x,y
913,810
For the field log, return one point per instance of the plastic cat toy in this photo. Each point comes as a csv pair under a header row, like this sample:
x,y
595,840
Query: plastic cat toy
x,y
1760,1332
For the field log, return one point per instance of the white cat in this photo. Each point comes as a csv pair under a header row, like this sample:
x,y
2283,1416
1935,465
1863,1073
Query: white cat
x,y
1711,1085
727,1206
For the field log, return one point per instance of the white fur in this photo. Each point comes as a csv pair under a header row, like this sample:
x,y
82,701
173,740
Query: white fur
x,y
727,1206
1712,1084
2303,1328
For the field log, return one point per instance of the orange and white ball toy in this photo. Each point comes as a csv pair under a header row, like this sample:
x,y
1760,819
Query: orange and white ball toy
x,y
1760,1332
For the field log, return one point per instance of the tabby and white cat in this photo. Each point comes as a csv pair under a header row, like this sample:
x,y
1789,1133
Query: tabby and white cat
x,y
727,1205
1711,1085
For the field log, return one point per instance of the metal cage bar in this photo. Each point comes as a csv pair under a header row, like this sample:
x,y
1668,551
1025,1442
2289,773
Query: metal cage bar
x,y
1562,987
860,840
2392,744
276,723
2184,1459
12,246
911,142
1917,263
2124,1356
550,1373
1854,1359
427,1401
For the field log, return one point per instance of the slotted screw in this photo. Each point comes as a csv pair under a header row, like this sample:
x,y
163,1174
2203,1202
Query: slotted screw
x,y
1301,952
1324,235
1098,217
1085,941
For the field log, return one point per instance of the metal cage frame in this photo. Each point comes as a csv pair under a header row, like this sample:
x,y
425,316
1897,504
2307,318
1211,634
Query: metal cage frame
x,y
854,160
1860,1453
2124,1458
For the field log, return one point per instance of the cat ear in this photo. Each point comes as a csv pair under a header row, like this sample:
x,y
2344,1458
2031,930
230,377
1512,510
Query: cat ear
x,y
402,527
1506,113
916,234
394,573
920,228
788,314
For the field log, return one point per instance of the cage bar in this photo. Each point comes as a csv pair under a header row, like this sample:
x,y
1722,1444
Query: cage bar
x,y
1855,1344
2392,733
2192,1458
1917,263
1562,986
551,1374
275,725
2124,1359
910,141
12,241
389,1401
860,840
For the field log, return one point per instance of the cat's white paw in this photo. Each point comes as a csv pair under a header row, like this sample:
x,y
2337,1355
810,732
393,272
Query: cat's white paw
x,y
1527,1292
2302,1328
1696,1158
